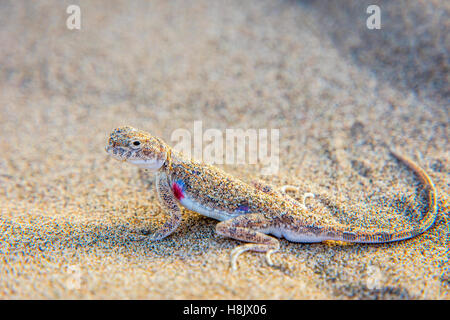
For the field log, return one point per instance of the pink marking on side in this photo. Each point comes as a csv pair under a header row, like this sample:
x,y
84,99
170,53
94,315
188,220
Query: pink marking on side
x,y
177,191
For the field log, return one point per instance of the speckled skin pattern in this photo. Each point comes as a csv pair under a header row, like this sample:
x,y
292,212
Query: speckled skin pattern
x,y
248,212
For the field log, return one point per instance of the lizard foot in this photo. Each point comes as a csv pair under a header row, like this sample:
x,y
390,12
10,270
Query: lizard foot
x,y
286,188
251,247
246,228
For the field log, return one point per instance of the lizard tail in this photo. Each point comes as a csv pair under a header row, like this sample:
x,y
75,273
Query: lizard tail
x,y
382,237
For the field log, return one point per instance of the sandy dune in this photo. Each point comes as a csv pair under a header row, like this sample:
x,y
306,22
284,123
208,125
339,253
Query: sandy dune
x,y
336,91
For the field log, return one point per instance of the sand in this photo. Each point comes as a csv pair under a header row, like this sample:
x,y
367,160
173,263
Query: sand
x,y
335,90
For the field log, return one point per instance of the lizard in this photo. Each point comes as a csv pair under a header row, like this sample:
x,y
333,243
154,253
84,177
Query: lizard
x,y
256,212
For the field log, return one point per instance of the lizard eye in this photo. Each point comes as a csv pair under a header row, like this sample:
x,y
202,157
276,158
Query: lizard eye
x,y
135,143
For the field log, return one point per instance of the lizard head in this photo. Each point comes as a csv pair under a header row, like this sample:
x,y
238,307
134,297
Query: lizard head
x,y
137,147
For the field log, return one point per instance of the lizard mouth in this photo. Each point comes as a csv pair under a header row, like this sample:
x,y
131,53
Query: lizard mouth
x,y
152,164
123,154
118,153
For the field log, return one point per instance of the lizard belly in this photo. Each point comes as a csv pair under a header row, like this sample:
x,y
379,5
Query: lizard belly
x,y
293,236
214,213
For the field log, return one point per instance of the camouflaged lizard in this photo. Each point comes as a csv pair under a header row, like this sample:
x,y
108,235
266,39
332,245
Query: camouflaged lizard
x,y
248,212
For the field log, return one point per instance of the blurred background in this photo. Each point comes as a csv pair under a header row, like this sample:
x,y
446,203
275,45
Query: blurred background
x,y
335,89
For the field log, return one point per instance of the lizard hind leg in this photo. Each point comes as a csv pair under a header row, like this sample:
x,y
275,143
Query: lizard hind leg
x,y
275,191
249,228
282,191
272,190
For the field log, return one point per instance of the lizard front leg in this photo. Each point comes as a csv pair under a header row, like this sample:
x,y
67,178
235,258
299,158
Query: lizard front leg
x,y
248,228
169,204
